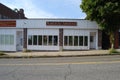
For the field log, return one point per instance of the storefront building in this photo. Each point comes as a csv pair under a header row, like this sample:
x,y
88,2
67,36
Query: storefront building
x,y
49,34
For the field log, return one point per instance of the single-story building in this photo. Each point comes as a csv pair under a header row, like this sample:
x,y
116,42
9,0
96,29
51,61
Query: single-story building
x,y
49,34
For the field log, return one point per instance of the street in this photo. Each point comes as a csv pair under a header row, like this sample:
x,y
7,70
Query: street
x,y
62,68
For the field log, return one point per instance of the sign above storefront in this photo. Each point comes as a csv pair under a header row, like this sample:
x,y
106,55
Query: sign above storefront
x,y
61,23
7,23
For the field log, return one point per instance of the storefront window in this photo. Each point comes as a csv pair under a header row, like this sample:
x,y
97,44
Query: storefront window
x,y
7,41
35,40
11,39
80,40
55,40
65,40
85,41
50,40
39,40
75,40
29,40
70,41
45,40
2,39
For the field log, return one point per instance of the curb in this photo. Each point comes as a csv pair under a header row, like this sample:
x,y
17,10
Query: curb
x,y
55,56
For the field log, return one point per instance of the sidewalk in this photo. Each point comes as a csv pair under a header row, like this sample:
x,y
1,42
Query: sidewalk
x,y
57,54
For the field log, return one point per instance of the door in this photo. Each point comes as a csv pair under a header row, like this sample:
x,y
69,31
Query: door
x,y
19,41
92,40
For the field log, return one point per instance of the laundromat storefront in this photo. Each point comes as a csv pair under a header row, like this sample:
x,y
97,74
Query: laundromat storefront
x,y
50,34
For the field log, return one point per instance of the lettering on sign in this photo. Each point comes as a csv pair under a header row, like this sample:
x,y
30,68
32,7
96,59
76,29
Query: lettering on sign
x,y
7,23
61,23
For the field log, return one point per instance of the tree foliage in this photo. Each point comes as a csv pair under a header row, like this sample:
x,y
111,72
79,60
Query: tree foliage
x,y
105,12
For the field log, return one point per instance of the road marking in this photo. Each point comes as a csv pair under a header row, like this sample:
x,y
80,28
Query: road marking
x,y
30,64
105,62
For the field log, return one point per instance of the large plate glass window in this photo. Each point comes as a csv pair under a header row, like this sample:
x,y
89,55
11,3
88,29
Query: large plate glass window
x,y
7,41
50,40
35,40
2,39
39,40
85,40
45,38
11,39
29,40
65,40
70,41
55,40
80,40
75,40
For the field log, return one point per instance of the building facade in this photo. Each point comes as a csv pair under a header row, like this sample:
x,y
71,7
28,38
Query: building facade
x,y
49,34
7,13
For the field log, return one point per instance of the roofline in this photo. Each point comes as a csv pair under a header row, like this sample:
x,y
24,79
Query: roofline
x,y
8,8
54,19
45,19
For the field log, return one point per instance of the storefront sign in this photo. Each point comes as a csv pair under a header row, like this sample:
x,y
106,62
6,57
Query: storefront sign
x,y
61,23
7,23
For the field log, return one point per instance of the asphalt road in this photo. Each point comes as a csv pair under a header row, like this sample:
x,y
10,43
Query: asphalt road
x,y
64,68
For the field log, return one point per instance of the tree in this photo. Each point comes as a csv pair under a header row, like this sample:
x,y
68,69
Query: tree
x,y
106,13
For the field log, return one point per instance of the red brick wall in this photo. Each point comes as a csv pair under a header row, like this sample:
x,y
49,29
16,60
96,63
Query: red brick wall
x,y
60,37
9,13
25,38
116,44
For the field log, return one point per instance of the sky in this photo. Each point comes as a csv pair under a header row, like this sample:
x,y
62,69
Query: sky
x,y
48,8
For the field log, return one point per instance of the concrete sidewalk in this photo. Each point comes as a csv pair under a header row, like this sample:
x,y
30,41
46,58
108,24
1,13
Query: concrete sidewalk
x,y
59,54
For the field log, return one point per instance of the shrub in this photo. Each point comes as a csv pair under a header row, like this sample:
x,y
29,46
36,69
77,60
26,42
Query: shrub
x,y
113,51
2,53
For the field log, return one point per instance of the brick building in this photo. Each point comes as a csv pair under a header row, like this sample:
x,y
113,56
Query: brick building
x,y
7,13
